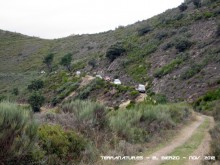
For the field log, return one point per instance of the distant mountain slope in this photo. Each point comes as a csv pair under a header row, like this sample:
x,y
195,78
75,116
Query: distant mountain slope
x,y
176,53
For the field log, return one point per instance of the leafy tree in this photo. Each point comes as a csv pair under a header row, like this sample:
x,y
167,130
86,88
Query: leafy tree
x,y
115,51
197,3
66,61
48,61
183,7
36,85
36,100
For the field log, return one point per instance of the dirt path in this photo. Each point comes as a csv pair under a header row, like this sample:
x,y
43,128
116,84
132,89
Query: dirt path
x,y
204,147
179,140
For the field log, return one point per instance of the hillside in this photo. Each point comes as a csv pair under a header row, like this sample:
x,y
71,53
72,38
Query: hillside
x,y
176,53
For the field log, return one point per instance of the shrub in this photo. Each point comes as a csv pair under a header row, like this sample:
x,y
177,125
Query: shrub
x,y
167,68
115,51
194,69
67,146
197,3
87,114
167,46
92,63
36,85
183,7
162,34
18,134
144,30
15,91
182,44
218,30
36,100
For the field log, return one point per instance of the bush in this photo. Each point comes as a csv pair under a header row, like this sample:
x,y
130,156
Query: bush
x,y
66,61
218,30
183,7
36,85
115,51
182,44
18,134
66,146
15,91
167,68
161,35
87,114
144,30
36,100
197,3
194,69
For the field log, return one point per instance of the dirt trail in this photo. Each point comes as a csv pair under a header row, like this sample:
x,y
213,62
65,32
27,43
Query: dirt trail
x,y
179,140
204,147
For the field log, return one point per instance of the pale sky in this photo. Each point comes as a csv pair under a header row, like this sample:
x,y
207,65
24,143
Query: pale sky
x,y
59,18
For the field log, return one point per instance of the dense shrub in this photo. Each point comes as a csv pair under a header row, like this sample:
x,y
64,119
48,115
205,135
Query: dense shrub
x,y
87,114
18,134
15,91
144,30
182,44
141,121
190,72
183,7
115,51
64,146
92,63
167,68
161,35
48,61
36,85
197,3
36,100
218,30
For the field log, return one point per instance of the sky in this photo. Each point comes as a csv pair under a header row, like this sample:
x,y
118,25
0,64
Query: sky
x,y
60,18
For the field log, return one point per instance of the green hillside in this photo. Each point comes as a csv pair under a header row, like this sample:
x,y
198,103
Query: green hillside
x,y
176,53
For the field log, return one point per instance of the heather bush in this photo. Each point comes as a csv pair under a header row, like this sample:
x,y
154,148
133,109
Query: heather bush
x,y
17,134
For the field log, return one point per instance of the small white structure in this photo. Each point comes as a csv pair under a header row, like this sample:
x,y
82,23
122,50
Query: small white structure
x,y
42,72
141,88
78,73
98,76
117,82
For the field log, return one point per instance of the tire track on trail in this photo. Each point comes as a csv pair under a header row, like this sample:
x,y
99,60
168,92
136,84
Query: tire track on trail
x,y
178,141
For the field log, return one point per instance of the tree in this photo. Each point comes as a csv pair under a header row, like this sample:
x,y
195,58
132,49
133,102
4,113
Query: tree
x,y
48,61
197,3
36,85
36,100
66,61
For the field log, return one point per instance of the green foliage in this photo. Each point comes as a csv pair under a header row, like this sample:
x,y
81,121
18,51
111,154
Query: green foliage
x,y
203,103
168,68
15,91
36,100
182,44
139,122
48,61
218,30
190,72
197,3
66,61
183,7
144,30
161,35
92,63
115,51
64,146
17,134
36,85
87,114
